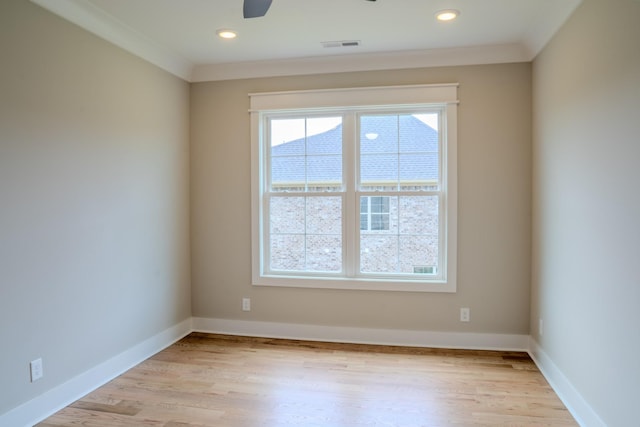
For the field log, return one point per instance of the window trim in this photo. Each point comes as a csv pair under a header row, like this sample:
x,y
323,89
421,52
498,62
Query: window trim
x,y
389,97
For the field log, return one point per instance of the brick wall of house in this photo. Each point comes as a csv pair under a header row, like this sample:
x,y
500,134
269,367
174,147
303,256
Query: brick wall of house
x,y
308,236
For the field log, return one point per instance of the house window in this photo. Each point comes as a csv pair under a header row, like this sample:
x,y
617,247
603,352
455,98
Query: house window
x,y
374,213
355,196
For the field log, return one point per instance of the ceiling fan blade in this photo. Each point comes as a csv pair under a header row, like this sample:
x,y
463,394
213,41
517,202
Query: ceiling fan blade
x,y
255,8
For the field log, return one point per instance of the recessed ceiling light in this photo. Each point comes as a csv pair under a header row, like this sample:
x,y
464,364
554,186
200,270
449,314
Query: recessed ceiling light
x,y
447,15
226,34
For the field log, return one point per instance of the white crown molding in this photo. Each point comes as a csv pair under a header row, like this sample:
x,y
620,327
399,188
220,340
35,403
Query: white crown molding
x,y
572,399
400,337
87,16
363,62
92,19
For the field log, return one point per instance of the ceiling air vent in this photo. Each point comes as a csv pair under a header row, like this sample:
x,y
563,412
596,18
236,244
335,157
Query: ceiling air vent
x,y
341,43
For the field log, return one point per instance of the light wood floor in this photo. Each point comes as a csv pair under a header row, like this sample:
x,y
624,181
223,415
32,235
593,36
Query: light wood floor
x,y
217,380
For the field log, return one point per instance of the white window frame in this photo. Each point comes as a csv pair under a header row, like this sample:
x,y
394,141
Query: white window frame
x,y
411,97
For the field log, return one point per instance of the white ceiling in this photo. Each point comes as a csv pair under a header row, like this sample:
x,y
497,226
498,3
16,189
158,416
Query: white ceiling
x,y
180,35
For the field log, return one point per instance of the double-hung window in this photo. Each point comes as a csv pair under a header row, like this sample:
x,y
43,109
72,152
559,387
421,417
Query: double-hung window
x,y
355,189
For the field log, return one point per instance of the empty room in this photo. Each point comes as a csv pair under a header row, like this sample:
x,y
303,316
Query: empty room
x,y
319,213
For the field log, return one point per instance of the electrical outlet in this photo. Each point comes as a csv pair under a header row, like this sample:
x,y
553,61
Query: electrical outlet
x,y
540,326
465,314
246,304
36,369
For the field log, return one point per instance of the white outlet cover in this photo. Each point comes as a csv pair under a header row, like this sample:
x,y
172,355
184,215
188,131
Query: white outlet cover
x,y
36,369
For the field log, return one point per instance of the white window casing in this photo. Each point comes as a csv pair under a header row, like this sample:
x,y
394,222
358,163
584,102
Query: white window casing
x,y
394,99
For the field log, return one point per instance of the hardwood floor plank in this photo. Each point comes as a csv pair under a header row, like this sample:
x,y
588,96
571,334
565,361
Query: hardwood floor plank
x,y
122,409
226,381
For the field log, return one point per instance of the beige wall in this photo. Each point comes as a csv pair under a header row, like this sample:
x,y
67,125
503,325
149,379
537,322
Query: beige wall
x,y
494,209
586,232
94,253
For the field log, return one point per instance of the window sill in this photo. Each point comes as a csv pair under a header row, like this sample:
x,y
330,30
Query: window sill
x,y
356,284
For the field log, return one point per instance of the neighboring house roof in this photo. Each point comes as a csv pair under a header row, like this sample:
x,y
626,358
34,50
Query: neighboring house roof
x,y
405,148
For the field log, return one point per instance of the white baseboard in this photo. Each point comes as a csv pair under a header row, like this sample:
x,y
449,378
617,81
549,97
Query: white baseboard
x,y
57,398
459,340
572,399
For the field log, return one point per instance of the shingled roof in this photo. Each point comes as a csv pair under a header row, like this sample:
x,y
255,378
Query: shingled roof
x,y
404,149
